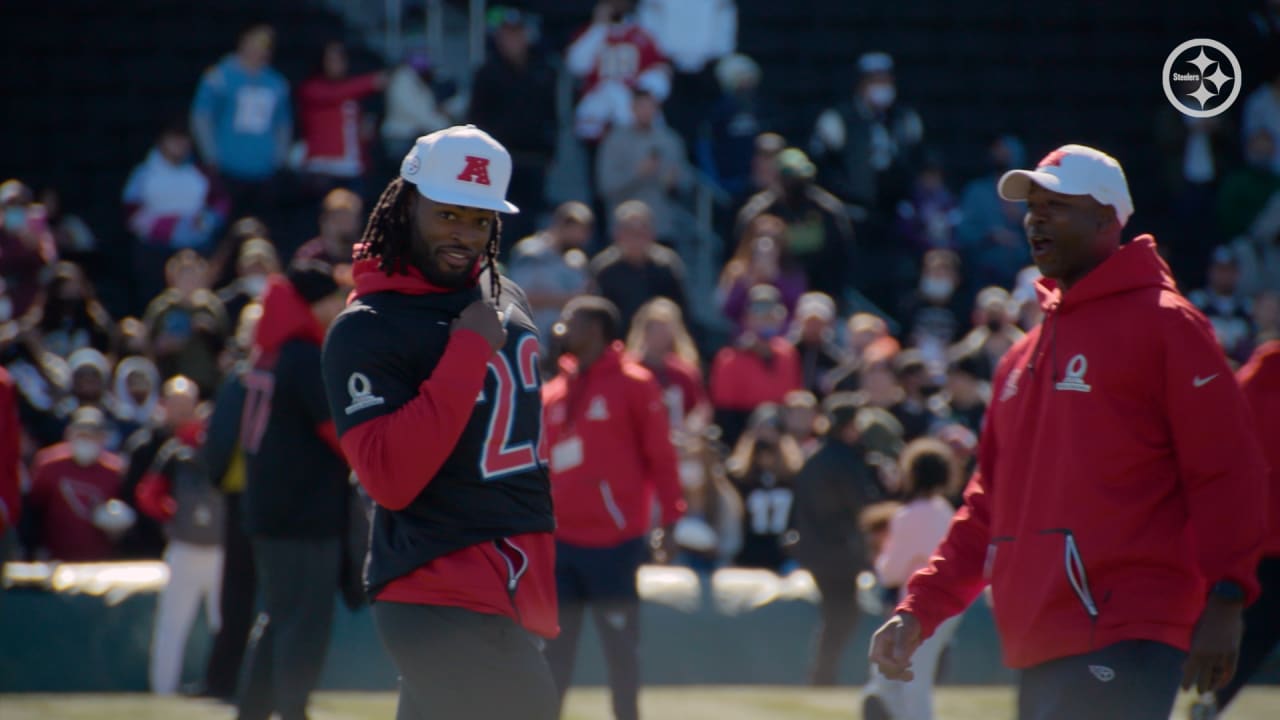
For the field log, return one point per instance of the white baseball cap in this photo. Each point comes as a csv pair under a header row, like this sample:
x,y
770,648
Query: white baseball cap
x,y
1074,170
461,165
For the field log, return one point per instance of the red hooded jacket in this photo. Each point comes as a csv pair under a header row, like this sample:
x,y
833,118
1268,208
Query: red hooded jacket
x,y
610,444
1118,475
330,115
1260,381
287,316
391,461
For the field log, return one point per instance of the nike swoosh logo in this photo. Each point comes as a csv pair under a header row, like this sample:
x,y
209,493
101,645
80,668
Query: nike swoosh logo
x,y
1201,382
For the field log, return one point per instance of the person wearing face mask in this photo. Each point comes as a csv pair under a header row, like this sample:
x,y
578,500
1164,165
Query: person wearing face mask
x,y
867,144
70,481
26,248
813,334
187,324
170,203
762,366
993,333
255,266
90,387
137,394
933,313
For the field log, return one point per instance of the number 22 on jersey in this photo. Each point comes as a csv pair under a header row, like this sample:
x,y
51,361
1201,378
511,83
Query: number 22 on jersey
x,y
508,447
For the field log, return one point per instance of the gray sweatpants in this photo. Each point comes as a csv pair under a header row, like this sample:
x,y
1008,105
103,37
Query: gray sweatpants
x,y
456,664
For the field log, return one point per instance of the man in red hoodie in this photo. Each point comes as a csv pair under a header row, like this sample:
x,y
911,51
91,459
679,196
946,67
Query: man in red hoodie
x,y
610,441
1117,507
432,378
296,491
1260,381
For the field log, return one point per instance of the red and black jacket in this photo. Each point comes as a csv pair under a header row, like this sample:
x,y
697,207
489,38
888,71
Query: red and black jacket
x,y
296,478
444,435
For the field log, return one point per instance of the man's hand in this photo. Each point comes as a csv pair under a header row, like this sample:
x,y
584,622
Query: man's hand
x,y
894,644
1215,646
664,545
480,317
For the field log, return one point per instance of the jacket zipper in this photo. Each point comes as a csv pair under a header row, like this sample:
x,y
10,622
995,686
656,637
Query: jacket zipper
x,y
611,505
513,573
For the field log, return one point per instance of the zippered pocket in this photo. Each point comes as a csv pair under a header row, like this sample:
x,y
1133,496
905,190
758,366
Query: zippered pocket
x,y
1076,574
611,505
514,571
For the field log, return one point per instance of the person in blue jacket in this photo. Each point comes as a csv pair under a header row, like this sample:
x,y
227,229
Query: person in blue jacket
x,y
242,120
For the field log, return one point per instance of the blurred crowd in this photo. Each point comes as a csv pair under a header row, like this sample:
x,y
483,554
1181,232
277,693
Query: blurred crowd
x,y
862,305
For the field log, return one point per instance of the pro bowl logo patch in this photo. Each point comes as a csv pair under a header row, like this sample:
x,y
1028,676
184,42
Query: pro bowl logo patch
x,y
411,165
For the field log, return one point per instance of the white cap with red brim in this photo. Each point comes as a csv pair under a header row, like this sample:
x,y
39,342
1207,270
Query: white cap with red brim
x,y
1074,170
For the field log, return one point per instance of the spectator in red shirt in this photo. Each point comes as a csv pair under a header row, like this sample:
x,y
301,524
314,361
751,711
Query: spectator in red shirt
x,y
26,247
70,484
661,343
613,56
332,127
611,452
761,367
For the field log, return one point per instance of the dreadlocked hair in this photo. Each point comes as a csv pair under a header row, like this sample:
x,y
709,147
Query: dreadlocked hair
x,y
388,236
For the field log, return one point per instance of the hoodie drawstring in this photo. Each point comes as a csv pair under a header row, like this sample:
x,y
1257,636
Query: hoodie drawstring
x,y
1050,325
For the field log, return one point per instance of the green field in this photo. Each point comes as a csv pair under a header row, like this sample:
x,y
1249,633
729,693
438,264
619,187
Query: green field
x,y
693,703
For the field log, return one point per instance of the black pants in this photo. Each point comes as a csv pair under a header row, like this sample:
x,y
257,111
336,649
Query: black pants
x,y
299,582
1130,680
605,579
456,664
1261,629
838,618
236,603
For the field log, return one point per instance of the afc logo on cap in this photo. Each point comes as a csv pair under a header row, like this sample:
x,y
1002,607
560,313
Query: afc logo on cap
x,y
476,171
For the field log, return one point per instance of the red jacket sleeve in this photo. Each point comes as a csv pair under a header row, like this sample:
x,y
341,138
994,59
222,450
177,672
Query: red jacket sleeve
x,y
336,92
389,454
1259,381
1220,465
956,573
154,498
10,453
662,468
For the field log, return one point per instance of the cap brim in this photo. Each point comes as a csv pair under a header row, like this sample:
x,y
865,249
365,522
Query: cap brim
x,y
464,200
1015,185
